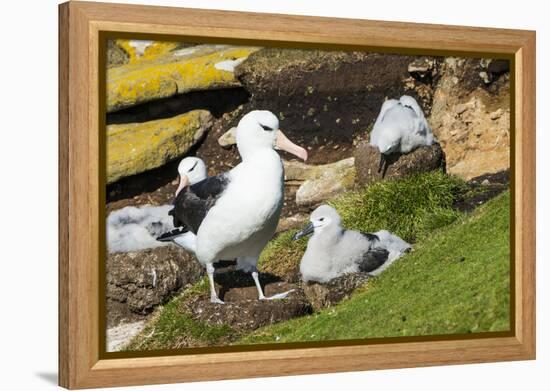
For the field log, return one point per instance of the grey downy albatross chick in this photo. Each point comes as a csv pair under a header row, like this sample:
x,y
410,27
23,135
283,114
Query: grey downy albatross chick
x,y
399,129
333,251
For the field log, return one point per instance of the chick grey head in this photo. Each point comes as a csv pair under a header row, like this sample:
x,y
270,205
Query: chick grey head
x,y
323,219
191,170
259,130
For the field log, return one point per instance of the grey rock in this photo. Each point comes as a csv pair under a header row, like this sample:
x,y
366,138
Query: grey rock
x,y
319,183
229,138
325,295
139,281
423,159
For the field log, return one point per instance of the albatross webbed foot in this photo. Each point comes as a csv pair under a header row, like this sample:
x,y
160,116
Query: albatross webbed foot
x,y
216,300
278,296
261,295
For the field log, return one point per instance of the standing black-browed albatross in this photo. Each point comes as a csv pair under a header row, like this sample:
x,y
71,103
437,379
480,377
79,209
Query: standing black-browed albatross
x,y
234,214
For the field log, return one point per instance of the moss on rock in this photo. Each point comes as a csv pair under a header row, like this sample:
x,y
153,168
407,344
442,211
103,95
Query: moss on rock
x,y
138,147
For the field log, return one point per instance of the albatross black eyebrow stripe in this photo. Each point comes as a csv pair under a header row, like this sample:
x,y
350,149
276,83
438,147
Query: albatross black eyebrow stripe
x,y
194,165
265,127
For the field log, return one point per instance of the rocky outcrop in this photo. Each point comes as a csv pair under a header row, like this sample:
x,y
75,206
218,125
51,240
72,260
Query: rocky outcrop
x,y
139,281
423,159
137,147
325,181
471,116
157,75
142,50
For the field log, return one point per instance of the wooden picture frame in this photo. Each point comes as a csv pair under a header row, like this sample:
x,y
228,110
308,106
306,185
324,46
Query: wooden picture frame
x,y
81,25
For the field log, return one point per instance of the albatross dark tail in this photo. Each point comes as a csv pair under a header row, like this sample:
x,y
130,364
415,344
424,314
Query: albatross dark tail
x,y
382,162
169,236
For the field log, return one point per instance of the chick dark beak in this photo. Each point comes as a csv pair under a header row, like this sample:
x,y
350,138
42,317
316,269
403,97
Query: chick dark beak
x,y
308,230
382,162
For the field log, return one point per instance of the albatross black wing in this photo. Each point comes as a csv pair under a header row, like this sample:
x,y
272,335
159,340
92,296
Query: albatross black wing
x,y
373,259
371,237
193,203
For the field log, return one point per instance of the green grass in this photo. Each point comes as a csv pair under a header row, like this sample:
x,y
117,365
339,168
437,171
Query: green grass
x,y
411,208
170,328
456,281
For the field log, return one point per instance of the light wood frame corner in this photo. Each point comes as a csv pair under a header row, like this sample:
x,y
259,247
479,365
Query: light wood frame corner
x,y
80,26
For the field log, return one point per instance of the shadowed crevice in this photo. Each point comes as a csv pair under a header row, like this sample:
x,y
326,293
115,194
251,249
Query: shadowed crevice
x,y
217,102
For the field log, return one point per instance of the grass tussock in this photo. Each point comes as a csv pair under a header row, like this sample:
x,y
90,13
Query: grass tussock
x,y
411,207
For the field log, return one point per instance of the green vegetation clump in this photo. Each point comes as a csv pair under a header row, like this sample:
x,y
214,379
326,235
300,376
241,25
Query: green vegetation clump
x,y
411,208
282,254
172,328
456,281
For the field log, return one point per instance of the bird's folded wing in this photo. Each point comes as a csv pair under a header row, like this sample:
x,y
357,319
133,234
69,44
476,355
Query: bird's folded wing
x,y
193,203
373,259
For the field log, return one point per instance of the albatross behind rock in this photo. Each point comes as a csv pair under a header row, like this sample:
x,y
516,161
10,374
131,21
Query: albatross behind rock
x,y
400,128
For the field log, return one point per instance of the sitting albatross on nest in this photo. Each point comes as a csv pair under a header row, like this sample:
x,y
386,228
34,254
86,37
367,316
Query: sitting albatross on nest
x,y
234,214
191,170
400,128
333,251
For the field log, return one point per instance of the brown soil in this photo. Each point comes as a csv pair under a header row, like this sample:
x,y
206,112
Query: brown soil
x,y
482,189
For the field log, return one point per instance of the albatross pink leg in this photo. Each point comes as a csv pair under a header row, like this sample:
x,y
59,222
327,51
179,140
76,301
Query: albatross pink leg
x,y
213,295
261,295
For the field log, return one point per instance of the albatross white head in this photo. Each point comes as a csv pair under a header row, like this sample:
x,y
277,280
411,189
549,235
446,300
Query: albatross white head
x,y
259,130
323,220
192,170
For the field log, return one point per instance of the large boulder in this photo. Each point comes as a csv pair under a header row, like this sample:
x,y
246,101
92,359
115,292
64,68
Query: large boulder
x,y
137,147
423,159
139,281
173,72
471,116
325,181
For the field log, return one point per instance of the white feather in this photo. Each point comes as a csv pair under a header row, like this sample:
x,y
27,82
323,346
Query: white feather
x,y
333,251
401,127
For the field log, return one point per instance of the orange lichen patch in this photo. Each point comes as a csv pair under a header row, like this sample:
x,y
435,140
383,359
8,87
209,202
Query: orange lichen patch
x,y
176,72
138,147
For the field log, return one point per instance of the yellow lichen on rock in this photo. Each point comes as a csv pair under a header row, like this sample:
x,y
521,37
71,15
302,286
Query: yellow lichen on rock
x,y
138,147
176,72
148,50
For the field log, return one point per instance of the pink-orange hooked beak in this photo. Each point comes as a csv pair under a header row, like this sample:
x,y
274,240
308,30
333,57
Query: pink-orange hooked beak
x,y
285,144
184,182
